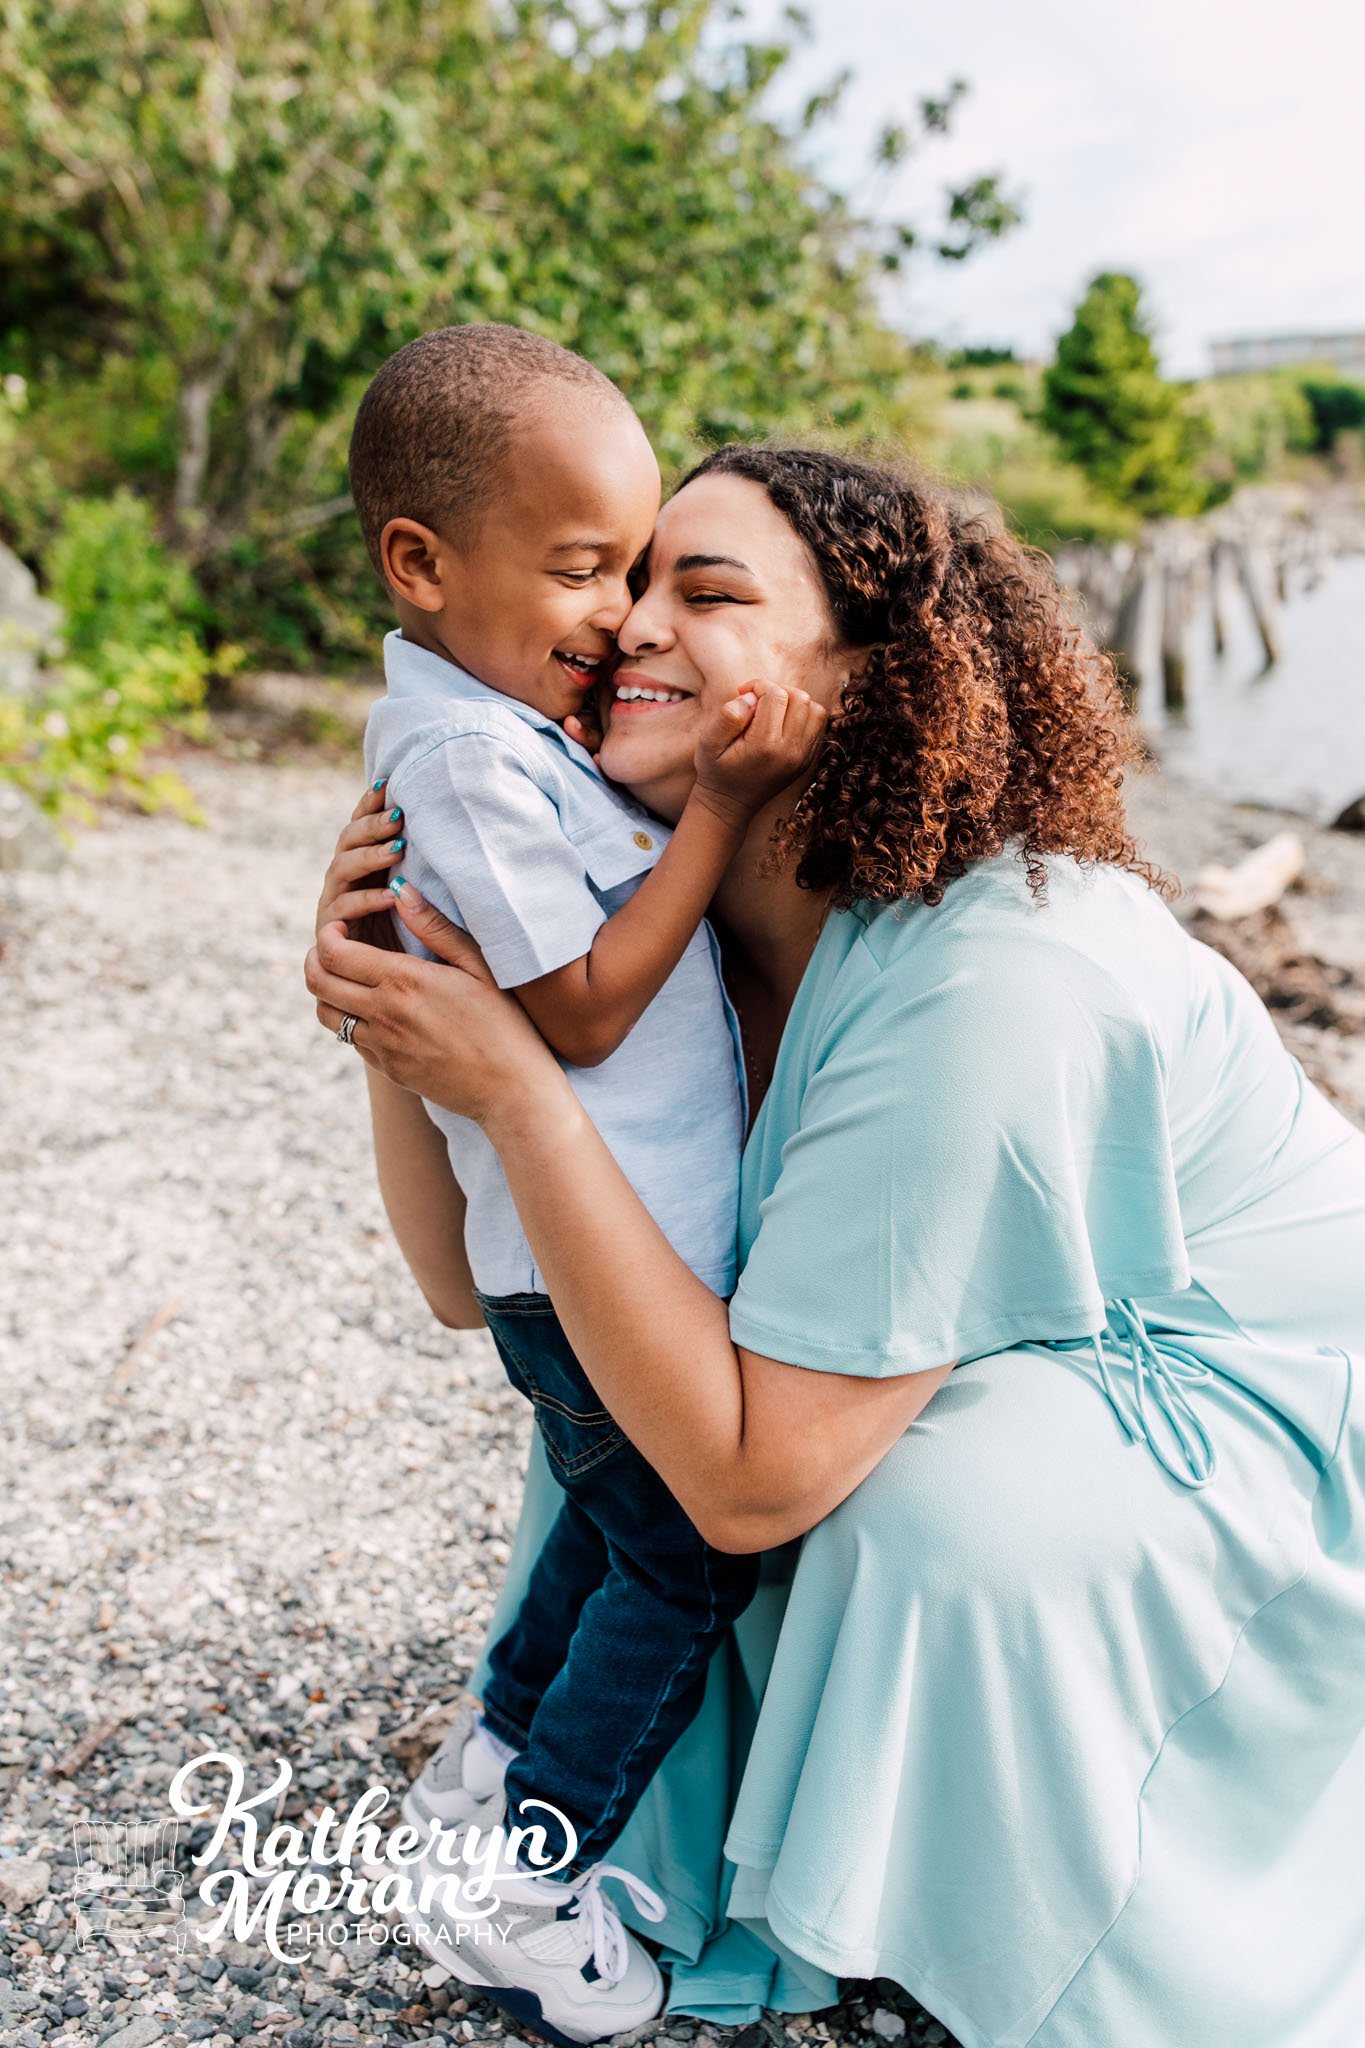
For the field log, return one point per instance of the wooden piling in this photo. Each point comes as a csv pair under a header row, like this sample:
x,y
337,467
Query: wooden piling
x,y
1174,617
1251,571
1124,635
1217,594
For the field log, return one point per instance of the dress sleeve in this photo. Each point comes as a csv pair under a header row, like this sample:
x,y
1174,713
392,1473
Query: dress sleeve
x,y
980,1164
488,846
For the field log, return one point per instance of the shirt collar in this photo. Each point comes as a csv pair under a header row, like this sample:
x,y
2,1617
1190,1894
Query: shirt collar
x,y
413,671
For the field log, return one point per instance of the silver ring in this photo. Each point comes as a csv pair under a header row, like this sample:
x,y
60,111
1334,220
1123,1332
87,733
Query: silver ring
x,y
346,1035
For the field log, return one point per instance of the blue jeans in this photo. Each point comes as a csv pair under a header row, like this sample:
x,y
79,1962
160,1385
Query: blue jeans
x,y
605,1664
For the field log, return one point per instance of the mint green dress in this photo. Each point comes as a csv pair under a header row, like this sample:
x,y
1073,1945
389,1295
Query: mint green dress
x,y
1058,1720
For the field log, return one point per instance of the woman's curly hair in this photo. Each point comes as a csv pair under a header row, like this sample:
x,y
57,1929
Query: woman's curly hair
x,y
984,717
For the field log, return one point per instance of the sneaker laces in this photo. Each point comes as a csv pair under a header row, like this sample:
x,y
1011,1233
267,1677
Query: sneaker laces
x,y
608,1938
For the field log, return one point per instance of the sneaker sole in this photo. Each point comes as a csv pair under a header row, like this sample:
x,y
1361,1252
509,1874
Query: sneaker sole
x,y
518,2003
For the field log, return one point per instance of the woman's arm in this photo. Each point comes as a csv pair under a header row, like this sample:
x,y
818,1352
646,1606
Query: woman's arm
x,y
423,1202
421,1196
757,1451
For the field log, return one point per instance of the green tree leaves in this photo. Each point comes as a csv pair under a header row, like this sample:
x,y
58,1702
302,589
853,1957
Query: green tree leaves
x,y
269,201
1104,400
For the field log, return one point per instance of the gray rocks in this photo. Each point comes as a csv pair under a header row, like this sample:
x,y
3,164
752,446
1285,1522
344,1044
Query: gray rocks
x,y
30,626
139,2033
28,839
23,1881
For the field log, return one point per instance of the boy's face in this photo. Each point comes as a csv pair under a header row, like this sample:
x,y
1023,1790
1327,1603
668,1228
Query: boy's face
x,y
531,603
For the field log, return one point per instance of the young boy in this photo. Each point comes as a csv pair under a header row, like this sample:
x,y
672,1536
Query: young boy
x,y
506,491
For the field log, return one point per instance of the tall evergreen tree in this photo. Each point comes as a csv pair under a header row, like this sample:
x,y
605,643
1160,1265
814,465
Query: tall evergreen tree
x,y
1106,402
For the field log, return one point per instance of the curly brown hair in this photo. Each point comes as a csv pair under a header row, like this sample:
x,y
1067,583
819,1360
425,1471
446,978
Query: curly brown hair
x,y
984,716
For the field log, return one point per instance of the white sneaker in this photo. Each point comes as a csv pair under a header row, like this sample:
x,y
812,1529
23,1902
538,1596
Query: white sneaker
x,y
467,1769
554,1956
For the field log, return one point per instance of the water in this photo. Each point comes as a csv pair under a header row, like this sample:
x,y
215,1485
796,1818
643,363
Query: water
x,y
1292,736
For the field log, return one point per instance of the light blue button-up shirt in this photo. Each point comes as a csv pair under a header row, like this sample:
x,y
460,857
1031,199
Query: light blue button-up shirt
x,y
515,834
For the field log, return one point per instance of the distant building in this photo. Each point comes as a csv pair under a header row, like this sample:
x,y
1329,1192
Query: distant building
x,y
1288,352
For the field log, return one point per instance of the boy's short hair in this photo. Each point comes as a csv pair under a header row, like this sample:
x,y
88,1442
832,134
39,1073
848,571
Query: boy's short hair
x,y
435,423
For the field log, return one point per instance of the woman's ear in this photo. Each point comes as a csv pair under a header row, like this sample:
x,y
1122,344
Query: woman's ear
x,y
852,668
412,558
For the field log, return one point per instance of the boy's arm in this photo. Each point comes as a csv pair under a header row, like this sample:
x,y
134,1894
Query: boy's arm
x,y
423,1201
760,742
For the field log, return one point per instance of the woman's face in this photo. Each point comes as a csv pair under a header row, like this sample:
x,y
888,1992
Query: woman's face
x,y
733,595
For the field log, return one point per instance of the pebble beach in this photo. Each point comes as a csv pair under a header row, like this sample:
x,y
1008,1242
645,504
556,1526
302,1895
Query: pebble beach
x,y
252,1497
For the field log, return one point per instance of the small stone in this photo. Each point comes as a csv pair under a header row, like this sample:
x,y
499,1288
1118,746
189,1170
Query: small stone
x,y
23,1881
139,2033
244,1978
14,2001
199,2030
888,2026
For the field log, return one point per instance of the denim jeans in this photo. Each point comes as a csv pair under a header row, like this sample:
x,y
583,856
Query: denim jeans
x,y
605,1664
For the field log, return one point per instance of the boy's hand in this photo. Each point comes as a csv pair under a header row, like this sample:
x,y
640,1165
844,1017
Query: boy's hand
x,y
588,725
754,746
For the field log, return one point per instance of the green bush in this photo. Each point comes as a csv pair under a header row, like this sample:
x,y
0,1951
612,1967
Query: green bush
x,y
135,667
1257,420
116,586
1338,408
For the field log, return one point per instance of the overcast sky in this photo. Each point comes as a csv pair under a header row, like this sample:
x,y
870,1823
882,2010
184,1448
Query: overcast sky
x,y
1215,149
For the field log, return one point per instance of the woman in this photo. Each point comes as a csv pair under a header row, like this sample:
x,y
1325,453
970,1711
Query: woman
x,y
1062,1693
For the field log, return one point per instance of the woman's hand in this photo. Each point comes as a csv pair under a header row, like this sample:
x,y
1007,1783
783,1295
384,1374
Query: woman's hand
x,y
355,889
453,1037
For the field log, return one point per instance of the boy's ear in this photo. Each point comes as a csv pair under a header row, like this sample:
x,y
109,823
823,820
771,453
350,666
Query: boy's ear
x,y
411,555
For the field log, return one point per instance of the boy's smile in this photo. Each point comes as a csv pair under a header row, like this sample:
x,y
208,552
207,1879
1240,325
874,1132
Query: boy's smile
x,y
531,601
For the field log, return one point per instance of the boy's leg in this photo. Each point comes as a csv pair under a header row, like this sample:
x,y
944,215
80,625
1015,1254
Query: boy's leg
x,y
531,1653
635,1668
633,1681
573,1559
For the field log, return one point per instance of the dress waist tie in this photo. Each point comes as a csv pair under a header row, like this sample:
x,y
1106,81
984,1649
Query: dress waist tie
x,y
1158,1377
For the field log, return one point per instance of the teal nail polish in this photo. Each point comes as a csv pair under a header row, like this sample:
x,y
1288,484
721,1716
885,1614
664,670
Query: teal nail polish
x,y
397,885
377,786
398,845
394,816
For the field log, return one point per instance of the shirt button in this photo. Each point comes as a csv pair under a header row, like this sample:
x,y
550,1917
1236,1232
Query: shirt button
x,y
643,840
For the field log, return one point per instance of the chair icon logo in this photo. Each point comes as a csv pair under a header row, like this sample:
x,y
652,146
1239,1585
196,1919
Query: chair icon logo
x,y
127,1888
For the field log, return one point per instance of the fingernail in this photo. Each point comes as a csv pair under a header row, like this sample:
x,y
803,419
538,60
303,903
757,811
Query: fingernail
x,y
394,816
398,845
376,786
397,885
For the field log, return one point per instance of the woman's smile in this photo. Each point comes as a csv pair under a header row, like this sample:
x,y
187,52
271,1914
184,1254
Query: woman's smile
x,y
636,695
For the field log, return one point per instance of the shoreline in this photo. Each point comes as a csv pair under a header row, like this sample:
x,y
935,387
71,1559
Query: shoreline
x,y
1184,828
